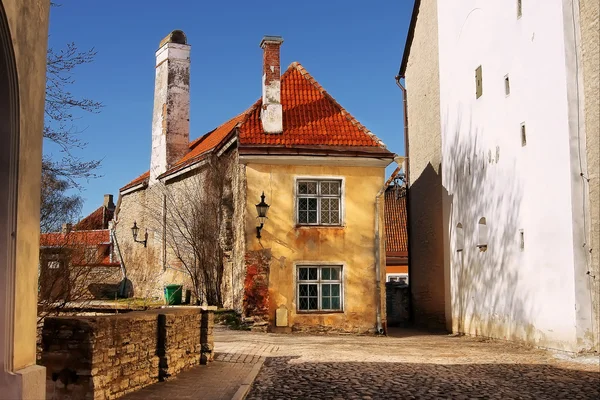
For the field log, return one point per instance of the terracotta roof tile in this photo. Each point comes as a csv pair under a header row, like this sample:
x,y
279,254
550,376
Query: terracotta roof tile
x,y
310,117
74,238
98,219
202,145
395,222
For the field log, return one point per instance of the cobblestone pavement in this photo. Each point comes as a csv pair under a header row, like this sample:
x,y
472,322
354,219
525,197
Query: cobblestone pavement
x,y
408,365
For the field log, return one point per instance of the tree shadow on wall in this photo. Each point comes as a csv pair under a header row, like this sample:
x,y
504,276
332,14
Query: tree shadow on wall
x,y
485,201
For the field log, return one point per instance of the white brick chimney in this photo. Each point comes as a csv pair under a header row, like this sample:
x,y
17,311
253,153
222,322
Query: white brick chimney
x,y
171,117
271,114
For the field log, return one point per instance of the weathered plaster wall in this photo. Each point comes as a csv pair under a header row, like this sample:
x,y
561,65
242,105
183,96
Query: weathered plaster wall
x,y
27,35
351,245
149,269
426,219
171,114
590,54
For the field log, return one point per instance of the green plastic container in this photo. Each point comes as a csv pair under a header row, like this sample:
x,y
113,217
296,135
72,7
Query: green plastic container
x,y
173,294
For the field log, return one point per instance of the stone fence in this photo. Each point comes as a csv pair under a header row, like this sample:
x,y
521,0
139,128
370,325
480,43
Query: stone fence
x,y
106,357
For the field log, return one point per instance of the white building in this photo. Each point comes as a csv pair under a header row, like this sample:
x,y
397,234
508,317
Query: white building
x,y
503,132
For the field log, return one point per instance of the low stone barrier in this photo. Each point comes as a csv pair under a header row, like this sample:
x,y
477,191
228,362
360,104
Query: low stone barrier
x,y
106,357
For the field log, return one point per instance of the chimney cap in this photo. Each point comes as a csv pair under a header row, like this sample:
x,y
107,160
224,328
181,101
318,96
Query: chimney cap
x,y
271,39
177,36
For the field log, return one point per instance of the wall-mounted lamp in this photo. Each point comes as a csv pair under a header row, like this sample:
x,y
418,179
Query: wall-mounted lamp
x,y
135,230
261,208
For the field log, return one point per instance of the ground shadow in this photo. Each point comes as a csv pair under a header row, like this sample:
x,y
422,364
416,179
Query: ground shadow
x,y
285,377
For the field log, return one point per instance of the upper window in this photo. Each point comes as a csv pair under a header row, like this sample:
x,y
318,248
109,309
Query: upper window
x,y
320,288
478,82
319,202
519,9
460,237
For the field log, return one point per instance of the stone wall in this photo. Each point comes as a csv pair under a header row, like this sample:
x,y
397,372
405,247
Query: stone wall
x,y
105,357
397,303
426,219
590,49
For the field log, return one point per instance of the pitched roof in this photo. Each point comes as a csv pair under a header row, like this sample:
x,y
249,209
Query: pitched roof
x,y
75,238
395,223
312,118
98,219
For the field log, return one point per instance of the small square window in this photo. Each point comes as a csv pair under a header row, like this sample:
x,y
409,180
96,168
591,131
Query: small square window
x,y
320,288
523,135
506,85
478,82
319,202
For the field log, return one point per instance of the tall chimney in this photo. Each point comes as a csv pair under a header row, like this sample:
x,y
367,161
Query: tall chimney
x,y
108,202
171,117
271,114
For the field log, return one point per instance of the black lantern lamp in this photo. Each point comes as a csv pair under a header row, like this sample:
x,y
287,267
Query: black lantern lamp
x,y
261,208
135,230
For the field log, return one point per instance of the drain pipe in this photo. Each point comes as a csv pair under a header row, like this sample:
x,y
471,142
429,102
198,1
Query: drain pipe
x,y
378,245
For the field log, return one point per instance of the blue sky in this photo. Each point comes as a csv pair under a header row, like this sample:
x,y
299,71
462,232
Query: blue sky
x,y
352,47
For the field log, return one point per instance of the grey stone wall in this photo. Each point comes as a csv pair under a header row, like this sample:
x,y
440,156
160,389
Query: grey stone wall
x,y
106,357
590,51
425,157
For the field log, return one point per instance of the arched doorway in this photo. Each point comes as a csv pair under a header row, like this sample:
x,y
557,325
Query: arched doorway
x,y
9,142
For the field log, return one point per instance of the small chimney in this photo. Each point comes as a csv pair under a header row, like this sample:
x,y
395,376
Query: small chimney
x,y
272,113
171,116
108,202
66,228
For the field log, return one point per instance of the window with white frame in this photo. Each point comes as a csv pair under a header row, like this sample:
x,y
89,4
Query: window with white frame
x,y
320,288
398,278
319,202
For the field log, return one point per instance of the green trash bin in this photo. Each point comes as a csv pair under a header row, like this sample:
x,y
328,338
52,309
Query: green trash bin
x,y
173,294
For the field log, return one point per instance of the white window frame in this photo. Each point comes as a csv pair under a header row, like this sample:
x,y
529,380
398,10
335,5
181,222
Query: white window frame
x,y
319,282
398,275
319,179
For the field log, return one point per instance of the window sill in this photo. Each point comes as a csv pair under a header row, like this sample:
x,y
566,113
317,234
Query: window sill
x,y
298,226
319,312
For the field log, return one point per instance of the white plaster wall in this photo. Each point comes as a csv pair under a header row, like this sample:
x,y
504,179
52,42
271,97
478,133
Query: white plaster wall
x,y
505,291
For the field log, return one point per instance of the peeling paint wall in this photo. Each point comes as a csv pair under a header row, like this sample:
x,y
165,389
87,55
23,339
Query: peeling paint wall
x,y
351,245
171,114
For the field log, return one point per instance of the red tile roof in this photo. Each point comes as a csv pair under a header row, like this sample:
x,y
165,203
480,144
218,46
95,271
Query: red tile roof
x,y
98,219
143,178
311,118
77,242
396,235
74,238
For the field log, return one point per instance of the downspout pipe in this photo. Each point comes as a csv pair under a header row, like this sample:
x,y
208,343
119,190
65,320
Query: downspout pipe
x,y
407,180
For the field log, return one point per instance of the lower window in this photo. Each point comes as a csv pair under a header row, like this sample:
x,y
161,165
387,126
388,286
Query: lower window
x,y
320,288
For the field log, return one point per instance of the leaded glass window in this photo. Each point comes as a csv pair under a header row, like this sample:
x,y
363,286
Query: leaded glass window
x,y
320,288
319,202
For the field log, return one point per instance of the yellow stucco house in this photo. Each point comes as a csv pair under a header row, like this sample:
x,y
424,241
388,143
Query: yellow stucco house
x,y
316,261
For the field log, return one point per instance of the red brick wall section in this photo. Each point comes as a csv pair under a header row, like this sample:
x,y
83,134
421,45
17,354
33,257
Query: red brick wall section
x,y
106,357
271,59
256,284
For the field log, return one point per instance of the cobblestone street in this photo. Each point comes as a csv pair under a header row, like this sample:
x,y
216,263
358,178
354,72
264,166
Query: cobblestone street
x,y
406,365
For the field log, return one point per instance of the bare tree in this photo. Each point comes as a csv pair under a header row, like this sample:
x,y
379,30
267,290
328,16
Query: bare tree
x,y
64,171
192,220
74,270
